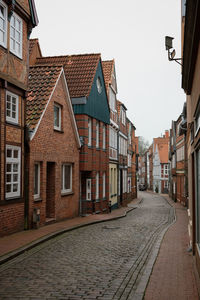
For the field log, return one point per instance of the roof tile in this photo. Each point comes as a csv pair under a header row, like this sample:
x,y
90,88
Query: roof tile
x,y
79,71
42,80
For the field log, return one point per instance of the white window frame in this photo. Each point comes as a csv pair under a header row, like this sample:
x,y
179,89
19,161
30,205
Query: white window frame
x,y
104,185
10,118
88,189
166,169
104,137
13,161
97,134
89,132
59,115
3,42
15,18
197,122
63,189
97,185
37,195
123,116
112,99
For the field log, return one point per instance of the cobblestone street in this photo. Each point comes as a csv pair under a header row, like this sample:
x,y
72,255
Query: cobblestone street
x,y
110,260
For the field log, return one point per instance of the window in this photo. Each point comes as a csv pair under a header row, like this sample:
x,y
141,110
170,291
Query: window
x,y
166,170
104,185
180,153
197,122
12,103
124,181
88,189
104,137
16,35
129,160
57,117
3,24
89,132
123,116
36,180
122,146
66,178
99,85
13,164
97,185
113,138
97,134
112,100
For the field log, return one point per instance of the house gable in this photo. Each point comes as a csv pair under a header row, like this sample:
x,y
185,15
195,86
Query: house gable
x,y
96,105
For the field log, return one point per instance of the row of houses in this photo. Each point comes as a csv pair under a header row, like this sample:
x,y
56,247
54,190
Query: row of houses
x,y
67,145
153,169
183,157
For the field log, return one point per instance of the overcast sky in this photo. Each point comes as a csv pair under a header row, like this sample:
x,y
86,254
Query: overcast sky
x,y
132,32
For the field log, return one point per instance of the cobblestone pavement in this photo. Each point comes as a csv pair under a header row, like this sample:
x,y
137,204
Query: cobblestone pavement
x,y
110,260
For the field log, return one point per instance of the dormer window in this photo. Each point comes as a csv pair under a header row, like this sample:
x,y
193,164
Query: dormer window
x,y
16,33
99,85
3,24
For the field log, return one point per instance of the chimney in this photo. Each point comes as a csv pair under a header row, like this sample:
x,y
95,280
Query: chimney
x,y
166,133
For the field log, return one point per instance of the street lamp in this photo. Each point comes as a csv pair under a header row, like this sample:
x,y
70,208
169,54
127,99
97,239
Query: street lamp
x,y
172,53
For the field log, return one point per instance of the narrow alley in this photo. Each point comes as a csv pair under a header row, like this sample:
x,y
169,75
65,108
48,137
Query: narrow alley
x,y
109,260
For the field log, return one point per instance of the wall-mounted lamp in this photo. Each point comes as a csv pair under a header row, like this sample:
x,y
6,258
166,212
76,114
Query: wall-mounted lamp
x,y
172,53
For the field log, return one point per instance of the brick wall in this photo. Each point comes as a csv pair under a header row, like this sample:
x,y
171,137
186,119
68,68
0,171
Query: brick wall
x,y
51,149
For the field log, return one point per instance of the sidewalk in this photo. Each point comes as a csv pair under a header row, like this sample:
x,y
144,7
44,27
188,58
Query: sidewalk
x,y
173,275
17,243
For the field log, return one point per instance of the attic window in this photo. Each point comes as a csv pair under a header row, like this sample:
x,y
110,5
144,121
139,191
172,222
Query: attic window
x,y
99,85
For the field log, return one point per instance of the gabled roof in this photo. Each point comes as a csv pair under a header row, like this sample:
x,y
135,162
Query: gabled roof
x,y
163,153
108,66
79,71
42,80
33,43
162,144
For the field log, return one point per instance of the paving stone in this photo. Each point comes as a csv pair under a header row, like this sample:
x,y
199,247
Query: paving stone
x,y
100,261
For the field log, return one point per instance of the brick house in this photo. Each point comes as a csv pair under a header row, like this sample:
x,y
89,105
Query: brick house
x,y
17,18
52,157
191,86
181,170
131,162
111,87
122,154
172,161
161,163
87,91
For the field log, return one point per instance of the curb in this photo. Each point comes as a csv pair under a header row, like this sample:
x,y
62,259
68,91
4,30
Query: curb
x,y
13,254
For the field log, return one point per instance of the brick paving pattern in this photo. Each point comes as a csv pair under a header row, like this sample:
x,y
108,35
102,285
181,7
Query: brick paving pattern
x,y
101,261
173,273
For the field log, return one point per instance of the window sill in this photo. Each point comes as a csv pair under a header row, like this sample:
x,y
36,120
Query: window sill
x,y
66,193
8,201
38,199
16,124
17,56
58,130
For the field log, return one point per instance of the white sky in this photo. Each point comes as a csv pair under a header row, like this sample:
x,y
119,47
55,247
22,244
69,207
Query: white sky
x,y
132,32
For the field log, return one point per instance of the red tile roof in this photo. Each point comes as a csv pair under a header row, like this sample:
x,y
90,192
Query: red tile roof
x,y
79,71
32,44
42,80
163,148
107,71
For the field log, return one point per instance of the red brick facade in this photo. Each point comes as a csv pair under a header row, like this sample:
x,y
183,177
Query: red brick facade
x,y
51,149
93,160
13,83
